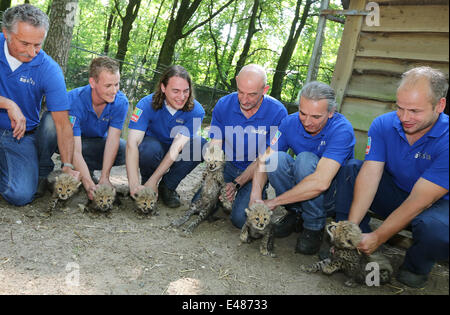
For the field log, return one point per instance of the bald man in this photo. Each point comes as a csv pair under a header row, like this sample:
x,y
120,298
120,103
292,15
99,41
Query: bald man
x,y
243,124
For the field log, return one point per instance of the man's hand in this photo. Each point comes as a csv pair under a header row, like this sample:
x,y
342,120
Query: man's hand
x,y
270,203
18,121
230,191
369,243
71,172
135,189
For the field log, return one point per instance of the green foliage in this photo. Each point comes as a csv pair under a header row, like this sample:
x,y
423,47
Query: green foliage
x,y
196,52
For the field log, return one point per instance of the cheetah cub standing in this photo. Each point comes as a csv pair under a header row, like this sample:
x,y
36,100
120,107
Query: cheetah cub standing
x,y
344,255
259,225
145,201
211,190
63,186
105,198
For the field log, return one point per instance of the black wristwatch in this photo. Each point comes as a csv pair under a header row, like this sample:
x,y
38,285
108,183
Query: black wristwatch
x,y
236,184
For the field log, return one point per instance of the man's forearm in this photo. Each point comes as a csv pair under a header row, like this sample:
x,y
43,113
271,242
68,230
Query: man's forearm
x,y
109,155
65,141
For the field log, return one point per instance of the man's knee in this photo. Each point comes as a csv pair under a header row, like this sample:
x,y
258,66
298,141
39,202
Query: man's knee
x,y
19,197
305,164
280,164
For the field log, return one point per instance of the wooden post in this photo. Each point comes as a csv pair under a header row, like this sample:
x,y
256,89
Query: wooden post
x,y
347,50
314,63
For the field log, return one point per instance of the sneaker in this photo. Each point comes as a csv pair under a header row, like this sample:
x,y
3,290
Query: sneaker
x,y
291,222
411,279
41,188
309,242
169,197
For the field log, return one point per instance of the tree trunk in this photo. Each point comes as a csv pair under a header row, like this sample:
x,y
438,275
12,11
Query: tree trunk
x,y
59,37
111,24
289,48
4,4
248,41
127,25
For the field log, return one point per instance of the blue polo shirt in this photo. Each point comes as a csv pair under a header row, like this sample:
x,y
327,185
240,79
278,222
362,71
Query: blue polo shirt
x,y
426,158
244,139
335,141
84,119
28,84
164,126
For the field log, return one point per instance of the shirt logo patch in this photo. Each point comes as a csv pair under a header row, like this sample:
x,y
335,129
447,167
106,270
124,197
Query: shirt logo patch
x,y
72,120
24,79
275,139
180,121
369,145
136,114
423,156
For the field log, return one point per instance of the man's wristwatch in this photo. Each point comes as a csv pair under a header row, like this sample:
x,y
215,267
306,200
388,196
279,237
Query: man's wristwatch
x,y
236,184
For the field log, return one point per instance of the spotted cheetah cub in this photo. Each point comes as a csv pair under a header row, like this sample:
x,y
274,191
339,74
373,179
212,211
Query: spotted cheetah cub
x,y
259,225
344,256
105,198
211,190
63,186
146,201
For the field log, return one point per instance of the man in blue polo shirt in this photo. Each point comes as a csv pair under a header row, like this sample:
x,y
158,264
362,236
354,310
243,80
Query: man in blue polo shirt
x,y
322,141
242,124
163,125
404,177
98,112
27,73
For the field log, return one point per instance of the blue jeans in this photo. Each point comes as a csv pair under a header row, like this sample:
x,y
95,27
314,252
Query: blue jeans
x,y
429,229
18,168
289,173
242,198
92,148
152,152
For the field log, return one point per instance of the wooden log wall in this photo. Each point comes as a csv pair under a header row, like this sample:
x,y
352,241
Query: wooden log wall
x,y
371,59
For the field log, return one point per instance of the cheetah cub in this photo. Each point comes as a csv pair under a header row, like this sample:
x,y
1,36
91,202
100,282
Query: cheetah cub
x,y
105,198
145,201
211,190
343,255
259,225
63,186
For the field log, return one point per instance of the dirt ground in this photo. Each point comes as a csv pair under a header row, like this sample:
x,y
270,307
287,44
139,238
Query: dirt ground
x,y
72,252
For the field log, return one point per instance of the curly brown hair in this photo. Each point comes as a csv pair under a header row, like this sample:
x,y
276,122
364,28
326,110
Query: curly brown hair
x,y
159,96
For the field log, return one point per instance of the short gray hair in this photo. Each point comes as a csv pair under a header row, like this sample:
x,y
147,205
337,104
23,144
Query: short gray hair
x,y
24,13
437,81
319,91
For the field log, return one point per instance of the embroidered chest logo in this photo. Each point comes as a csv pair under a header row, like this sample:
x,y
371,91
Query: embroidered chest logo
x,y
180,121
423,156
322,144
26,80
136,114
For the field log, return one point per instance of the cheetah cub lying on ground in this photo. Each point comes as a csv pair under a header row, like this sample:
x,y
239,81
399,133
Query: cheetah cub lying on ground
x,y
146,201
63,186
259,225
344,255
212,190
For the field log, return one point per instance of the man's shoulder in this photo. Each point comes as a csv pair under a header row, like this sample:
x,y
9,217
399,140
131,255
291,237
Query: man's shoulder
x,y
121,98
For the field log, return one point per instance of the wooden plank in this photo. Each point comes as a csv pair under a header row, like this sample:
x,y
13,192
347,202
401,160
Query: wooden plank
x,y
373,86
361,112
412,18
415,46
347,51
361,144
394,67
